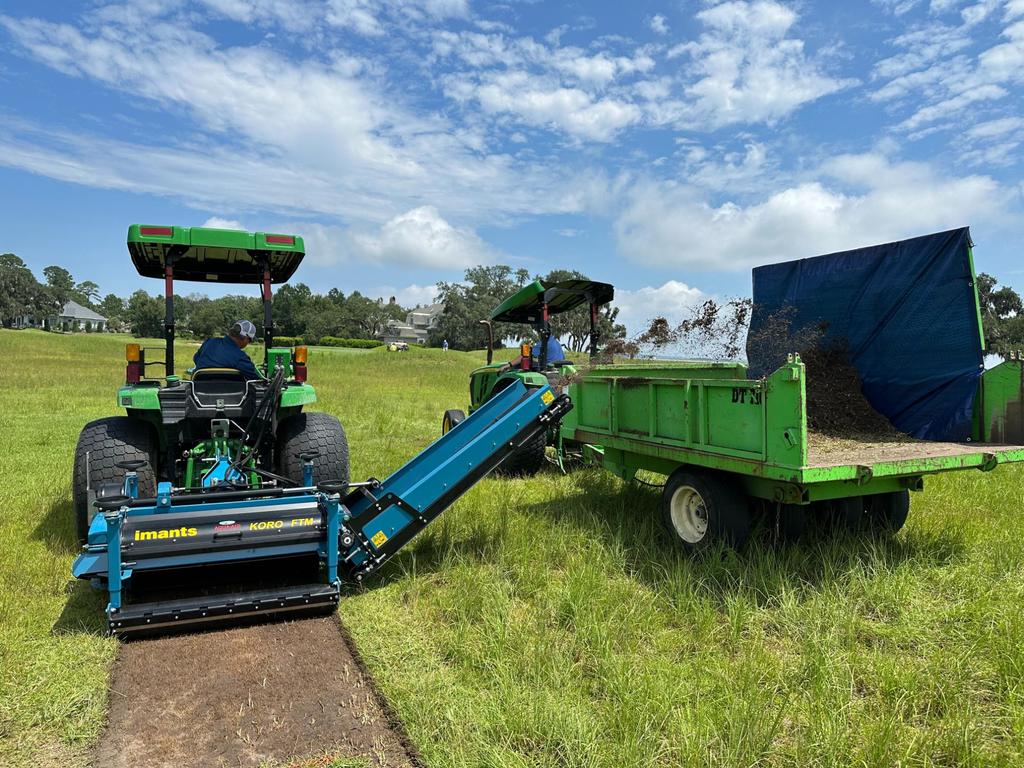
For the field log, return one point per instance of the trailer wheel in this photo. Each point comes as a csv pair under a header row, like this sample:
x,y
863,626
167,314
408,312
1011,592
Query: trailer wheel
x,y
528,459
318,433
887,512
700,509
102,444
451,419
793,520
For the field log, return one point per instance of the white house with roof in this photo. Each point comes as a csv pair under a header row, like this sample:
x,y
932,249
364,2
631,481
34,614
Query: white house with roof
x,y
416,327
73,317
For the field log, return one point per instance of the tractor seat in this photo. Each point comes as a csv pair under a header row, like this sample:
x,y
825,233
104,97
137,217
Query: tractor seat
x,y
219,387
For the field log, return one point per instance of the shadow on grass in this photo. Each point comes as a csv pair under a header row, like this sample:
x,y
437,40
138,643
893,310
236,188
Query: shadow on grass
x,y
84,612
624,519
56,528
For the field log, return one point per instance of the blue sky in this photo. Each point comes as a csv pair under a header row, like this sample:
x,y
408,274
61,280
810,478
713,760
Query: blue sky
x,y
665,147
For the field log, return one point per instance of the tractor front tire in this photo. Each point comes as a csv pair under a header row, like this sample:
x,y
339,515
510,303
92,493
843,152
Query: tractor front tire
x,y
313,432
528,459
102,444
451,419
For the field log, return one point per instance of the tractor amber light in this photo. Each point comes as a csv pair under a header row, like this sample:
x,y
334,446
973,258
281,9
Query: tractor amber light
x,y
132,352
299,370
156,231
280,240
525,351
300,355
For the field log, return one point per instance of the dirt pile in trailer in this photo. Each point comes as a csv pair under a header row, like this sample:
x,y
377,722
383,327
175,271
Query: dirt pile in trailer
x,y
245,696
836,405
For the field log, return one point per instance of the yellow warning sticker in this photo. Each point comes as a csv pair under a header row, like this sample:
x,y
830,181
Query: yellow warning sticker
x,y
378,539
547,397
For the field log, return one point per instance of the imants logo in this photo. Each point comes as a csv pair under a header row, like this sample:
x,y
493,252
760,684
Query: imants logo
x,y
166,533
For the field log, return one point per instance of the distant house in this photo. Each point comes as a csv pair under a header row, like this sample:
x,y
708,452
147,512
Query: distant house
x,y
416,327
74,317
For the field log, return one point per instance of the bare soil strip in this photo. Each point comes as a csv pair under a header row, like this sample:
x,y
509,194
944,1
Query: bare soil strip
x,y
243,697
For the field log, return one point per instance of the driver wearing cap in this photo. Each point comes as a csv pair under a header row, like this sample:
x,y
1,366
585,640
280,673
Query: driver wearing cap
x,y
226,352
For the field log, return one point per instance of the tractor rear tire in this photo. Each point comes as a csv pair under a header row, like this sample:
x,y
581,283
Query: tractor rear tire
x,y
526,460
312,432
102,444
700,509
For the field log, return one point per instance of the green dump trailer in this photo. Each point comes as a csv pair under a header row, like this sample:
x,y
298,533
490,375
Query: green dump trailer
x,y
733,448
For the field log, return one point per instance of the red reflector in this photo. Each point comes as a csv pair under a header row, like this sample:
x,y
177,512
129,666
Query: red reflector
x,y
156,231
133,373
300,371
281,239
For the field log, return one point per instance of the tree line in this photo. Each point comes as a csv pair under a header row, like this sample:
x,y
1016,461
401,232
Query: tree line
x,y
299,312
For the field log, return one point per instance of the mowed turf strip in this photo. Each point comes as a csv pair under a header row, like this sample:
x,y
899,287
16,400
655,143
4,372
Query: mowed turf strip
x,y
549,621
243,696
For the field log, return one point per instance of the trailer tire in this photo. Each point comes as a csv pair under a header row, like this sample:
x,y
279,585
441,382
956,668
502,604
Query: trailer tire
x,y
792,521
312,432
701,509
102,444
526,460
887,512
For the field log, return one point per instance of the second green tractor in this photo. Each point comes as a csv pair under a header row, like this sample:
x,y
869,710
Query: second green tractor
x,y
533,306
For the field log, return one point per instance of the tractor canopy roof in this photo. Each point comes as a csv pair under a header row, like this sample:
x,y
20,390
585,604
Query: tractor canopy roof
x,y
213,255
525,306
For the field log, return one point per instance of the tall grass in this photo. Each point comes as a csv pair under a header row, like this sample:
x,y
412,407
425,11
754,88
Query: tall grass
x,y
549,621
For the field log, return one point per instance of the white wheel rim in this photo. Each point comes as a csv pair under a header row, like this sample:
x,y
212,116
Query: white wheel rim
x,y
689,514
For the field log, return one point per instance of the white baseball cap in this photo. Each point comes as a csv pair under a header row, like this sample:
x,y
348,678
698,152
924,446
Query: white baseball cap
x,y
244,328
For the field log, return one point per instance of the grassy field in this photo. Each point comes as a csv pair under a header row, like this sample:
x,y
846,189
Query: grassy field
x,y
549,622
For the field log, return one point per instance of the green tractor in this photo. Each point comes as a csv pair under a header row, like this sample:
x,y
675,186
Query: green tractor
x,y
212,427
532,305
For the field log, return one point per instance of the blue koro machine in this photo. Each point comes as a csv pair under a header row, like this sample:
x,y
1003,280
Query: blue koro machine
x,y
188,557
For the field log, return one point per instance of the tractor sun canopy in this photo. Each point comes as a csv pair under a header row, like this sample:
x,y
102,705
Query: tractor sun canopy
x,y
526,305
206,255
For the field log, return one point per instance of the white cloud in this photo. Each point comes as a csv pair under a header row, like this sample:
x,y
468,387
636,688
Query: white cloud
x,y
942,85
541,84
537,101
951,106
924,46
215,222
292,15
421,237
670,300
364,17
745,68
994,128
658,24
855,200
338,144
410,296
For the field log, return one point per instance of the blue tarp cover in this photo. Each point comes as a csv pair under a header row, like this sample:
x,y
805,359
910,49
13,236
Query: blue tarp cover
x,y
907,310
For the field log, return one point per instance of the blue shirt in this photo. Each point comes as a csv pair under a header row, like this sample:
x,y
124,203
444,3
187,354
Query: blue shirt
x,y
224,353
555,352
